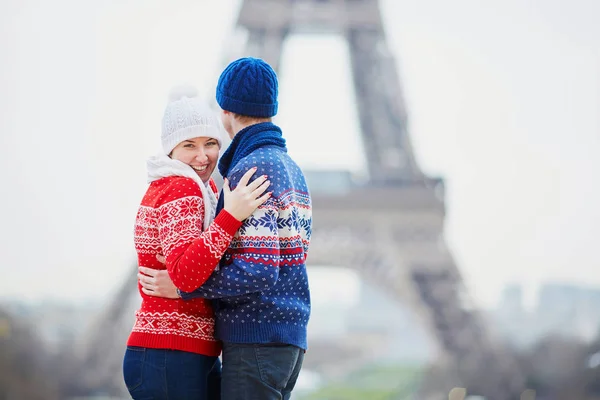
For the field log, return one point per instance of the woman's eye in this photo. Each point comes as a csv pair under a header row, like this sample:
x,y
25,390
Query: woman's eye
x,y
211,143
188,146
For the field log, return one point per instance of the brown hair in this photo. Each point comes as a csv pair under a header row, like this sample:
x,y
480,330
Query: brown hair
x,y
247,120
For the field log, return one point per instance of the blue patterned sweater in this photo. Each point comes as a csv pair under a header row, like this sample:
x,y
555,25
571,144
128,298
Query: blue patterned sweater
x,y
261,284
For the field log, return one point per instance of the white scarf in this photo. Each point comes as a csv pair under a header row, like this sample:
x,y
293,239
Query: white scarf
x,y
161,166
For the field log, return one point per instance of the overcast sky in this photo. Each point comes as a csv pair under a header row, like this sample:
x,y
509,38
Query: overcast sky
x,y
503,98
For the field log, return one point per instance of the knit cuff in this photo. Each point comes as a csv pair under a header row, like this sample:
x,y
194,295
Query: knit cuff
x,y
172,140
228,222
247,109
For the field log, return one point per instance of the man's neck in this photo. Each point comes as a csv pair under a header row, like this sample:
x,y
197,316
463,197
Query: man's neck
x,y
238,126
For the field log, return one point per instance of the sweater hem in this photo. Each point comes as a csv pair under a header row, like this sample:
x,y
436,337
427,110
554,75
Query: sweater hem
x,y
153,341
262,333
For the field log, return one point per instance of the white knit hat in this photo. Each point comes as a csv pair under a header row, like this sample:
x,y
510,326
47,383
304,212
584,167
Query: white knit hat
x,y
187,117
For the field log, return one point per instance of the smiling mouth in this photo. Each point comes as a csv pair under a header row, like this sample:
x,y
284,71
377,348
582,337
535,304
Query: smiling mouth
x,y
199,169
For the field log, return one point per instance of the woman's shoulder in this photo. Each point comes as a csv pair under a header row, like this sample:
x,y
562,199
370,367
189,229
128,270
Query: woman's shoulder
x,y
171,188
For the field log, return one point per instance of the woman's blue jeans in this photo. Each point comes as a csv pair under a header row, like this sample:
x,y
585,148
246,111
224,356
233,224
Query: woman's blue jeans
x,y
161,374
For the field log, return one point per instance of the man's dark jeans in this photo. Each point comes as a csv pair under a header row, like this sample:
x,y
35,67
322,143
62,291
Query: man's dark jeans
x,y
260,372
159,374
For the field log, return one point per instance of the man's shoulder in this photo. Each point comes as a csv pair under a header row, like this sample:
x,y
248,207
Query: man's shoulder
x,y
266,154
265,159
287,179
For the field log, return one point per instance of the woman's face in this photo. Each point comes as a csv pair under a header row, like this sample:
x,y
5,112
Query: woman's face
x,y
200,153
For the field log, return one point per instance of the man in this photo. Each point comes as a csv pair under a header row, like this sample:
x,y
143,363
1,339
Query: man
x,y
262,298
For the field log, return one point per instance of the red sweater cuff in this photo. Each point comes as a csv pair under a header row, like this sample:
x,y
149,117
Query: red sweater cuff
x,y
227,222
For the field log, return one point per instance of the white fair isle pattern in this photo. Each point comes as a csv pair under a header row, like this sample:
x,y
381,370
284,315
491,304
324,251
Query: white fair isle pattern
x,y
146,232
179,222
175,324
216,240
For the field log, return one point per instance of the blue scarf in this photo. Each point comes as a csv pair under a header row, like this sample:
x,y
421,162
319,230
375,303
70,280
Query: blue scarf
x,y
247,140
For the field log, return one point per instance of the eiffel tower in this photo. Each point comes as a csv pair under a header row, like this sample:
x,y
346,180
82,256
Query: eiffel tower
x,y
388,229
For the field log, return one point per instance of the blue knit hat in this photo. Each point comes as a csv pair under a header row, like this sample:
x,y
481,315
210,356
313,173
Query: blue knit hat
x,y
248,86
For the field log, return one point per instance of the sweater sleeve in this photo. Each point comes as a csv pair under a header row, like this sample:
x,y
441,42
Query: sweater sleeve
x,y
191,254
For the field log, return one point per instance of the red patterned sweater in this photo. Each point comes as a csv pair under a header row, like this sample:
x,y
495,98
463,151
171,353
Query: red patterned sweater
x,y
169,222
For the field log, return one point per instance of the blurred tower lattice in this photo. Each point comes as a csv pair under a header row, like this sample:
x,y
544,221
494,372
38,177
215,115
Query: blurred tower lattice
x,y
389,229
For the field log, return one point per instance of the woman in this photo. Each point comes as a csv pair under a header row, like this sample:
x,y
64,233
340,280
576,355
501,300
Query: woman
x,y
171,348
